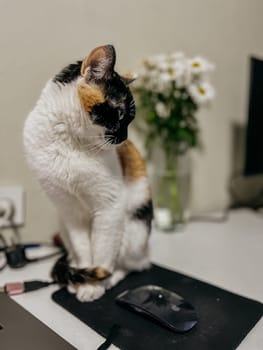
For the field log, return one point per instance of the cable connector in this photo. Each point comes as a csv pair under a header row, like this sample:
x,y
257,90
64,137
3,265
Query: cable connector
x,y
15,288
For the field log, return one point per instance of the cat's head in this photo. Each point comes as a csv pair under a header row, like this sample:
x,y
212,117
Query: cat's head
x,y
105,95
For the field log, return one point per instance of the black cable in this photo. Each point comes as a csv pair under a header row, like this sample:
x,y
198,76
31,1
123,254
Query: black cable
x,y
45,257
16,256
113,333
16,252
30,286
16,288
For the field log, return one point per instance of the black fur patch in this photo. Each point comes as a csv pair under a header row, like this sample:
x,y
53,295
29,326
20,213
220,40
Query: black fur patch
x,y
145,213
116,113
68,74
64,274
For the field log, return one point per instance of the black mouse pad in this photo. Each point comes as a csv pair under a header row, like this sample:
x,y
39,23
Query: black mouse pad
x,y
224,318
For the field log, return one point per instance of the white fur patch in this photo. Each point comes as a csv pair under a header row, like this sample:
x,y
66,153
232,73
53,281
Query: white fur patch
x,y
137,193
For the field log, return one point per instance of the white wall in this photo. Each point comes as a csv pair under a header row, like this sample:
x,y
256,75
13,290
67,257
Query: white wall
x,y
37,38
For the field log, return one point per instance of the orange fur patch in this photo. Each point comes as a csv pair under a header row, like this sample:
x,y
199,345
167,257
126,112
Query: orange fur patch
x,y
89,96
100,273
133,165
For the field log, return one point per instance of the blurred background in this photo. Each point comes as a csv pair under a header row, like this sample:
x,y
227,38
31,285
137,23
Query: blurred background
x,y
37,39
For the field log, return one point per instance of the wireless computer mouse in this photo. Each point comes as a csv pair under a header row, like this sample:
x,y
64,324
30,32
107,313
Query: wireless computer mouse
x,y
161,305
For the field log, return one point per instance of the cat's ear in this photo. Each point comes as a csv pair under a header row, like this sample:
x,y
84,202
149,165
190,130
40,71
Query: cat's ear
x,y
99,63
128,78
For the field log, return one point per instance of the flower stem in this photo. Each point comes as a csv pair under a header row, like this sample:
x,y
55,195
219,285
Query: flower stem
x,y
172,181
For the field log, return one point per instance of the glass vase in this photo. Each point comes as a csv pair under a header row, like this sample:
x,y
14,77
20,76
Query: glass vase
x,y
172,192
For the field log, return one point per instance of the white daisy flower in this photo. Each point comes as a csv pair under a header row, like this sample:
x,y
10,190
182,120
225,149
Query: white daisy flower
x,y
202,92
155,60
163,66
162,87
199,65
147,79
160,83
162,110
179,73
165,76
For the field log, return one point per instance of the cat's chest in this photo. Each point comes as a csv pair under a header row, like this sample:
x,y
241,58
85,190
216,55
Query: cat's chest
x,y
110,161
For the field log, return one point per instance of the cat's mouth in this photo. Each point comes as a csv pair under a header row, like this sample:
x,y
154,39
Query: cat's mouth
x,y
116,138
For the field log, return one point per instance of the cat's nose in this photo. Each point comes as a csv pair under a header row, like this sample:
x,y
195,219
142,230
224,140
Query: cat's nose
x,y
115,127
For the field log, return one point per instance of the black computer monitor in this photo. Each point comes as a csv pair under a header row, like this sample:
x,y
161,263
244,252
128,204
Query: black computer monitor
x,y
254,137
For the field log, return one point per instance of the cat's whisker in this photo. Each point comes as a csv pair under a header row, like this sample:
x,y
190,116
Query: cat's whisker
x,y
99,137
95,147
90,148
106,144
102,146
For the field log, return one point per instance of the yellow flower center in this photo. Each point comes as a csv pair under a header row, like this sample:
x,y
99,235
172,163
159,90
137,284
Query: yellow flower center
x,y
201,90
196,64
171,71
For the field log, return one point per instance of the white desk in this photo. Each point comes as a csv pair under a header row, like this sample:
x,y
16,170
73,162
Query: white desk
x,y
229,255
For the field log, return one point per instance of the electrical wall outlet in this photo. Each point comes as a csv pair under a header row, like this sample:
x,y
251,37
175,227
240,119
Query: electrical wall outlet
x,y
17,196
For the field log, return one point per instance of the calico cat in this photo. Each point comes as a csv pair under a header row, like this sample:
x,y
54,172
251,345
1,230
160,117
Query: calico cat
x,y
75,142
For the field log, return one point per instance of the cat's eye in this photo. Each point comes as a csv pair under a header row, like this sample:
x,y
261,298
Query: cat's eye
x,y
121,114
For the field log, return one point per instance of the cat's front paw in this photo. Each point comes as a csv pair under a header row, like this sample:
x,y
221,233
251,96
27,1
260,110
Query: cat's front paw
x,y
89,291
115,278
